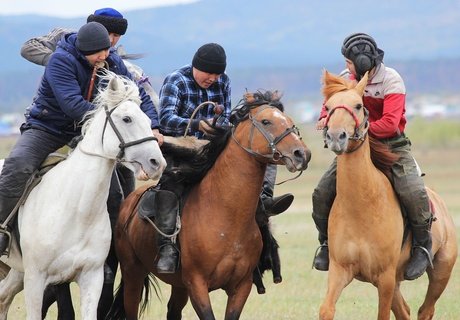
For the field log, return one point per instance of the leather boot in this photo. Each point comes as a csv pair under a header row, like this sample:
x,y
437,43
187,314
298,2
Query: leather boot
x,y
6,206
165,219
321,260
277,205
421,256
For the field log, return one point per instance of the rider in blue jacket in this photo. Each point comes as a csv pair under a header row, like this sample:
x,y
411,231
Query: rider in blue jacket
x,y
55,115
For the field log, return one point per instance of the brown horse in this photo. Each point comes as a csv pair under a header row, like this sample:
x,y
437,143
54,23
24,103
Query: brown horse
x,y
365,224
220,241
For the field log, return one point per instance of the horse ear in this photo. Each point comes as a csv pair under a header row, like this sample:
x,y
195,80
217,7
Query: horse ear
x,y
362,84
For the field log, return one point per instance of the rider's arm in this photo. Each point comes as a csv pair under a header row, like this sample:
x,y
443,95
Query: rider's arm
x,y
38,50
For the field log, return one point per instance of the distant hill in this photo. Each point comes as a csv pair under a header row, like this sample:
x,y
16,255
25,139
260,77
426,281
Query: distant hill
x,y
269,44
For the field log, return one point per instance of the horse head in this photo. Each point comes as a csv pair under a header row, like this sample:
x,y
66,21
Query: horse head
x,y
266,132
123,129
347,117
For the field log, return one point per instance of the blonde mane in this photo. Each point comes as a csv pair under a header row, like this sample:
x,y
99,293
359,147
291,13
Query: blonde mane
x,y
333,84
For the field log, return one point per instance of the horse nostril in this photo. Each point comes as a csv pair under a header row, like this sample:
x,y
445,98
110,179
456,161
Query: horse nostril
x,y
343,136
154,163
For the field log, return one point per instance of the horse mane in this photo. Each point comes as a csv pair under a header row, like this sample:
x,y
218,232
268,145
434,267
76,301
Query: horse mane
x,y
382,157
190,165
260,97
109,96
335,84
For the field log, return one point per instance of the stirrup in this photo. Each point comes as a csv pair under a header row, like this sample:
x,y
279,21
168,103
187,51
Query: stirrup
x,y
6,232
316,253
427,253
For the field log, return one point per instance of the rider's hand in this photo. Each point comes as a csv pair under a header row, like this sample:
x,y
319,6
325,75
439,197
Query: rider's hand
x,y
205,126
321,124
158,135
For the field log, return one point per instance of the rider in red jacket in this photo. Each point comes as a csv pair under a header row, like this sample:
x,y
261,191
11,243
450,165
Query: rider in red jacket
x,y
384,97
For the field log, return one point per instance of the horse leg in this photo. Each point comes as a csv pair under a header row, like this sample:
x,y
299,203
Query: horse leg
x,y
9,287
399,306
59,293
176,303
199,296
34,288
386,288
438,279
257,280
338,279
90,282
133,279
236,300
106,298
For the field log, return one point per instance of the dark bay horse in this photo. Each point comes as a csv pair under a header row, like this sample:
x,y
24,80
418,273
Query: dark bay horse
x,y
366,224
220,241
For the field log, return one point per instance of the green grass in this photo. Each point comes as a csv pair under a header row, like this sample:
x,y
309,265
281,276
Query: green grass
x,y
436,146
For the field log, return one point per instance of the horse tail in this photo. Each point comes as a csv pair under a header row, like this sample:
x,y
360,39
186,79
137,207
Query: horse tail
x,y
117,310
149,282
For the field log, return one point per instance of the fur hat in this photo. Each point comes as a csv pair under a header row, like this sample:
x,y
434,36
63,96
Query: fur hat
x,y
92,37
210,58
111,19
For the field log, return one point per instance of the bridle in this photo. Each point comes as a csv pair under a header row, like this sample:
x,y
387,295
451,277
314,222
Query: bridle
x,y
274,155
123,145
361,129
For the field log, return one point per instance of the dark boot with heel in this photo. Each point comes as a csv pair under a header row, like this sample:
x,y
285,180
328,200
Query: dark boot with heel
x,y
6,207
166,218
277,205
421,256
321,260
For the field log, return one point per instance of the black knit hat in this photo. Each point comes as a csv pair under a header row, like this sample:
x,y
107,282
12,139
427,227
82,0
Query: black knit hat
x,y
210,58
92,37
111,19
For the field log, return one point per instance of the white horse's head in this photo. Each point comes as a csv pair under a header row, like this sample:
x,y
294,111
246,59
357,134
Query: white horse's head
x,y
119,129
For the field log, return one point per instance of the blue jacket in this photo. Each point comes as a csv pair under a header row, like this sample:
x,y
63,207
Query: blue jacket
x,y
60,104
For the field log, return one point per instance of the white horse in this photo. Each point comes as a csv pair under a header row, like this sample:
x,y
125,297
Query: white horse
x,y
64,224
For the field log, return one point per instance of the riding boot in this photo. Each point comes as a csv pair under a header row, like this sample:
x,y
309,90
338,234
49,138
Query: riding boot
x,y
6,206
165,219
321,260
421,256
277,205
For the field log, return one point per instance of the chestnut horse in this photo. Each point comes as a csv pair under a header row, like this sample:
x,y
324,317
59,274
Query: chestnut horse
x,y
220,241
366,224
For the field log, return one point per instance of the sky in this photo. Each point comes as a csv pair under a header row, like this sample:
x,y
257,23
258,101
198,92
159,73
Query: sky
x,y
78,8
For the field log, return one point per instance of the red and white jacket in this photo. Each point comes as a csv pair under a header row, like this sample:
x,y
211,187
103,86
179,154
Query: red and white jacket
x,y
385,98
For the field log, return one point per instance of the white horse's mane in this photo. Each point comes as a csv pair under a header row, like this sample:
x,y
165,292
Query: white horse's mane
x,y
124,90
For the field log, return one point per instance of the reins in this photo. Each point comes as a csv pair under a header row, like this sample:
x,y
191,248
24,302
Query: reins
x,y
201,105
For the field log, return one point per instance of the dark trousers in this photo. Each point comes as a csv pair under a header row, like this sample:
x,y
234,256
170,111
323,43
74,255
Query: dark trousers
x,y
407,182
30,150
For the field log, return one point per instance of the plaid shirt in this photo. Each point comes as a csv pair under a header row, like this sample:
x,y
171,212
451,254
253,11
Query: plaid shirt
x,y
179,97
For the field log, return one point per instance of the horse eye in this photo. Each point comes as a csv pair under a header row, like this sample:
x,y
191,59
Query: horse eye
x,y
266,122
327,109
127,119
359,106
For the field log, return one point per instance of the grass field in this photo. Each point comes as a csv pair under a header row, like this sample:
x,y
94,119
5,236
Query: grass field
x,y
436,146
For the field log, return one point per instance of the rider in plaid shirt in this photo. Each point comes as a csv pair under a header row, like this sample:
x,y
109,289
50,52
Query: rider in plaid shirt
x,y
182,93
